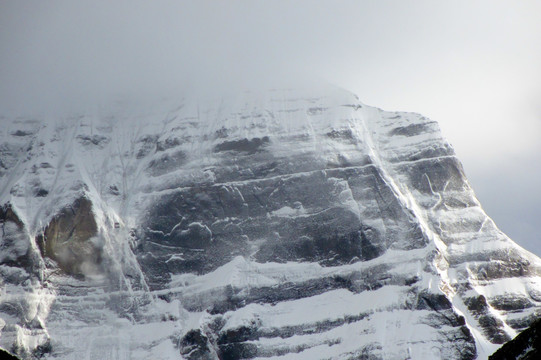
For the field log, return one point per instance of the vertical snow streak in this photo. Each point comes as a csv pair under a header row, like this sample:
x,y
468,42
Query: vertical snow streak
x,y
368,120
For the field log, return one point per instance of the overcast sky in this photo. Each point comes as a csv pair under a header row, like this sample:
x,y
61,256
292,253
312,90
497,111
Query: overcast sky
x,y
474,66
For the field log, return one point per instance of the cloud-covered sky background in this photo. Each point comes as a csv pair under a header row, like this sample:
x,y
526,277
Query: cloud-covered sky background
x,y
474,66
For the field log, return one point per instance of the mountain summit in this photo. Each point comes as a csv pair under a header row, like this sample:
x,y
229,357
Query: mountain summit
x,y
279,224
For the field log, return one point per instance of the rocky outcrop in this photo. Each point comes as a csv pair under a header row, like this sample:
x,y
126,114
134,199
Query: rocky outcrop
x,y
70,239
20,281
14,244
7,356
525,346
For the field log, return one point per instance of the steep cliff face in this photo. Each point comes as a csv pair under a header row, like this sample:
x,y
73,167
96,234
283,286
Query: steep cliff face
x,y
287,224
67,239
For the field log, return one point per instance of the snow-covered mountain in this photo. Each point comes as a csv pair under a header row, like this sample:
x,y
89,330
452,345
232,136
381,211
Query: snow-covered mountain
x,y
279,224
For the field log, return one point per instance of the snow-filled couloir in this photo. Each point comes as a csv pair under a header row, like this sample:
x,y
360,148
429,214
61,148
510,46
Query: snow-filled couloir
x,y
279,224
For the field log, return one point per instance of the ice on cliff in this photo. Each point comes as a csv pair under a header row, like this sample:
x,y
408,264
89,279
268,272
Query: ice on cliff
x,y
279,224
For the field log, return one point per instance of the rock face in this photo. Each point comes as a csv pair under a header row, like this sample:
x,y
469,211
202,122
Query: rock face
x,y
283,224
67,239
526,346
7,356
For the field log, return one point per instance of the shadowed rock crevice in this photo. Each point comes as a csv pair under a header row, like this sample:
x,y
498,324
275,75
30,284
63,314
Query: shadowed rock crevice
x,y
195,345
14,240
491,326
244,145
413,129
